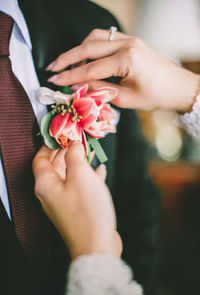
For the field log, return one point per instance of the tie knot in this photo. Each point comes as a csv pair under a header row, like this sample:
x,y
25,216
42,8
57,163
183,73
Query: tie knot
x,y
6,25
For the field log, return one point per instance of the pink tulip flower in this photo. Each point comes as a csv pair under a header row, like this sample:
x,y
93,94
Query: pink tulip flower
x,y
87,113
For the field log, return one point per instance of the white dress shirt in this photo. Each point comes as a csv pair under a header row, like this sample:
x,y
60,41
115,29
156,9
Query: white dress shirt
x,y
24,70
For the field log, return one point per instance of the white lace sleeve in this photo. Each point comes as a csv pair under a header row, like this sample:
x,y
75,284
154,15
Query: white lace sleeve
x,y
100,274
191,121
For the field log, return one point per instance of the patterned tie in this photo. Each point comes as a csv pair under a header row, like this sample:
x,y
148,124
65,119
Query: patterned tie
x,y
18,129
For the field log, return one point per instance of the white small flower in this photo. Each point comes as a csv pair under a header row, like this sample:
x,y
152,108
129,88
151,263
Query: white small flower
x,y
48,96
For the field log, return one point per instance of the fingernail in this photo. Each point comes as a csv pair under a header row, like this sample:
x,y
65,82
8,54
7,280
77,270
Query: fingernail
x,y
50,66
53,78
103,166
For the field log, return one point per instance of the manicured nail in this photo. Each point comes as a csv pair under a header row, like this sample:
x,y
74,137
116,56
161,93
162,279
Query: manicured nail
x,y
53,78
102,166
50,66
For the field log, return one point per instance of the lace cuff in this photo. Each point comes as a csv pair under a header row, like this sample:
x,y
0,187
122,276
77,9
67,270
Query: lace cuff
x,y
100,274
191,121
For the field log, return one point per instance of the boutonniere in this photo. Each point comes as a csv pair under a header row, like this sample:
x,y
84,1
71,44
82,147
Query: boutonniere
x,y
78,116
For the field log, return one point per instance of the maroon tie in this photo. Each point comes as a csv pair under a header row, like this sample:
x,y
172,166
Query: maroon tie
x,y
17,142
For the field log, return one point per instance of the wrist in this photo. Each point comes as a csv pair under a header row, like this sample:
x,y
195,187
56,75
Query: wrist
x,y
111,247
190,89
96,250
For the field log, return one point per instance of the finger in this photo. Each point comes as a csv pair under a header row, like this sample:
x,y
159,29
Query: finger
x,y
91,50
52,153
96,84
102,172
59,163
98,34
121,100
44,172
92,155
125,97
79,64
75,156
96,70
43,159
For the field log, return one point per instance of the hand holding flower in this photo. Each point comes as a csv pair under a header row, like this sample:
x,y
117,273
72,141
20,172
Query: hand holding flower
x,y
76,200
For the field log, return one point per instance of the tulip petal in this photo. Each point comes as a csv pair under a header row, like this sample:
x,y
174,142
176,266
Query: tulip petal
x,y
92,118
107,121
57,124
81,92
89,111
95,131
106,128
100,129
72,130
83,107
109,115
103,95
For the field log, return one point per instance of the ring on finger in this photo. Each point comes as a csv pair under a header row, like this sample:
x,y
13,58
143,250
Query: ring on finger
x,y
112,33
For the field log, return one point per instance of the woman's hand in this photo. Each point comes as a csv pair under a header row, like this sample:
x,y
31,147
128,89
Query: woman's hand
x,y
76,200
149,81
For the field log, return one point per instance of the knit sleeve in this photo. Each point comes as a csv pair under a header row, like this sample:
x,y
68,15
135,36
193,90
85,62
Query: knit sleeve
x,y
101,274
191,121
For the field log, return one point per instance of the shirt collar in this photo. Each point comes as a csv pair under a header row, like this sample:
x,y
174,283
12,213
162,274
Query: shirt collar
x,y
12,8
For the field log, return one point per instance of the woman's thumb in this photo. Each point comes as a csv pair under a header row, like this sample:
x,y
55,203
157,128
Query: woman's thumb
x,y
75,155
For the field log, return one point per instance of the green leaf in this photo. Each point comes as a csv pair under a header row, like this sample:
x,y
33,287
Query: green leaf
x,y
48,139
66,90
89,153
94,143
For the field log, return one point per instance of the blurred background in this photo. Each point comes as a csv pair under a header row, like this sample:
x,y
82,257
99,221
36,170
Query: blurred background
x,y
172,27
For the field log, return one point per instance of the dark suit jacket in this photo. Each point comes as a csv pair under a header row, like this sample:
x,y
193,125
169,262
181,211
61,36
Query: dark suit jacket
x,y
56,26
